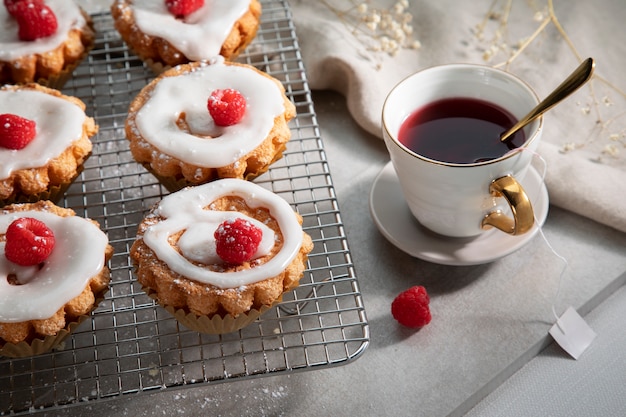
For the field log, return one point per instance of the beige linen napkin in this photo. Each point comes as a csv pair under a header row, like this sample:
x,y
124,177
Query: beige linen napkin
x,y
586,164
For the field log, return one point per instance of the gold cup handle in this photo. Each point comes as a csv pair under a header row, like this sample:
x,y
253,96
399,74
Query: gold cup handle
x,y
523,216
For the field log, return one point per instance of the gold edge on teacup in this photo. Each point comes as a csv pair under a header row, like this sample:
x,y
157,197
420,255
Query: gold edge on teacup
x,y
513,152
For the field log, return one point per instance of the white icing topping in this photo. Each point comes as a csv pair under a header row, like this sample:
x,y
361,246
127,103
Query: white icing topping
x,y
78,255
209,145
68,17
184,211
59,124
200,35
194,244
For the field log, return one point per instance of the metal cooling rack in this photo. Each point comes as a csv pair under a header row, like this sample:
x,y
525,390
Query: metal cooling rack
x,y
130,345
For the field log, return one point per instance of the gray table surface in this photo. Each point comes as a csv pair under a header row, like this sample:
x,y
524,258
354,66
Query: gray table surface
x,y
484,354
488,322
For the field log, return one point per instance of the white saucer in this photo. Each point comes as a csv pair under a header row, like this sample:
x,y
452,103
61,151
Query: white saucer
x,y
395,221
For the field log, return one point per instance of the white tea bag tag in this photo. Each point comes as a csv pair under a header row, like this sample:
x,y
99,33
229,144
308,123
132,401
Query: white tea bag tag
x,y
572,333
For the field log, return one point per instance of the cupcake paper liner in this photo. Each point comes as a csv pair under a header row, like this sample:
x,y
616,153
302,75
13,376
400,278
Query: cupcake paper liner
x,y
41,345
174,184
38,346
58,80
54,193
215,324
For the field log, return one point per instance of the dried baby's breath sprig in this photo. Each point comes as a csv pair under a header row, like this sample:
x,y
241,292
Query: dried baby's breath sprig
x,y
569,146
379,29
498,44
611,150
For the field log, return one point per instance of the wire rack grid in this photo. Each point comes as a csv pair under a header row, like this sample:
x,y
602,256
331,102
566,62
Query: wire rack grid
x,y
131,345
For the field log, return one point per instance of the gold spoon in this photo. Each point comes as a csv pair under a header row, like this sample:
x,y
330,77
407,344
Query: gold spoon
x,y
580,76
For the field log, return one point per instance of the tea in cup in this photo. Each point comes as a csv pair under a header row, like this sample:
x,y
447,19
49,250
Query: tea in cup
x,y
442,129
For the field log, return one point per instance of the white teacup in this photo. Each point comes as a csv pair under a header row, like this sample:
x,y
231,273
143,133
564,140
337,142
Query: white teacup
x,y
463,199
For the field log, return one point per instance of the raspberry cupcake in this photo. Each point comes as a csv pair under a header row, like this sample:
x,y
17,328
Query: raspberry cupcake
x,y
43,296
42,41
245,250
230,122
166,33
44,141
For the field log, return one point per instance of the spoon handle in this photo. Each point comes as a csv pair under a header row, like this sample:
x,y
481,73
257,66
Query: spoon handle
x,y
576,79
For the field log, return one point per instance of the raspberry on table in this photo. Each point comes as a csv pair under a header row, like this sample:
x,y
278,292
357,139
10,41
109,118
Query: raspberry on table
x,y
182,8
35,19
227,107
16,132
236,241
28,241
411,307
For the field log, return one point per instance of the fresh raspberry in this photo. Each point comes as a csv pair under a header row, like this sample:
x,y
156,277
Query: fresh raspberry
x,y
34,18
226,107
13,5
410,308
236,241
28,241
182,8
16,132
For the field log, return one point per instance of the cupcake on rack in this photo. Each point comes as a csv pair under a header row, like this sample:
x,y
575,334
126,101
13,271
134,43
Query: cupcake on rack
x,y
207,120
50,280
44,141
166,33
42,41
218,255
